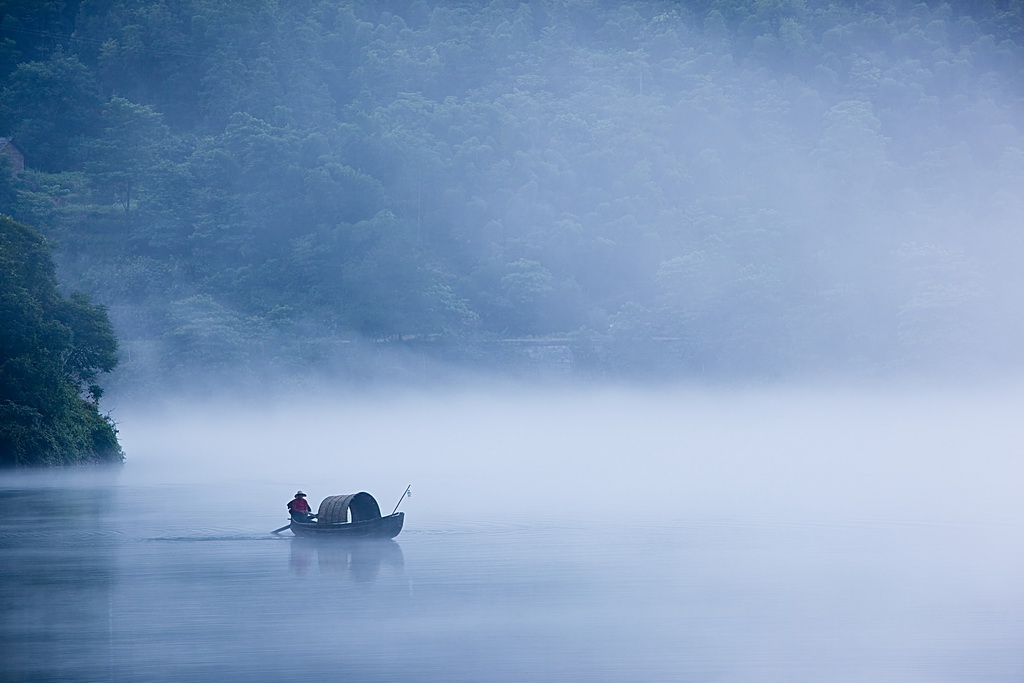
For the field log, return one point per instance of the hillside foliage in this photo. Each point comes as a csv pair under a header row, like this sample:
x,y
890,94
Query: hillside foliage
x,y
761,187
52,350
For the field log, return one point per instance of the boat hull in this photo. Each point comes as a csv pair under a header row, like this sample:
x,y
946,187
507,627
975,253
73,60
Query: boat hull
x,y
381,527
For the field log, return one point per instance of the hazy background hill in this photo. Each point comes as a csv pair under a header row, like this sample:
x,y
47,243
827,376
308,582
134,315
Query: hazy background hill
x,y
717,189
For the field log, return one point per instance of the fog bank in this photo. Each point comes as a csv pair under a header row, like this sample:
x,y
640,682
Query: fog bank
x,y
640,456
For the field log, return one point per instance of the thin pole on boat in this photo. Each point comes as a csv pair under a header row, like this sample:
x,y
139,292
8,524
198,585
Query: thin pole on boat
x,y
404,494
277,531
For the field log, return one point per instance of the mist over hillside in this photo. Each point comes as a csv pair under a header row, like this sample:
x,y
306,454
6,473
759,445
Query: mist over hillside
x,y
365,190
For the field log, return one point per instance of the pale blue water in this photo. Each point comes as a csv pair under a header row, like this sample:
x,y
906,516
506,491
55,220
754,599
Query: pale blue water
x,y
601,537
138,584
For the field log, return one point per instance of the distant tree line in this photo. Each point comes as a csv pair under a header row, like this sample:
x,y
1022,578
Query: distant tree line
x,y
765,188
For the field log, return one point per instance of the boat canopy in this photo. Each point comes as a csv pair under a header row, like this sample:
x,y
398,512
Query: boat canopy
x,y
337,509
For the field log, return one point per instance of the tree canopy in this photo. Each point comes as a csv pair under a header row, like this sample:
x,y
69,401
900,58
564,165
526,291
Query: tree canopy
x,y
755,188
52,350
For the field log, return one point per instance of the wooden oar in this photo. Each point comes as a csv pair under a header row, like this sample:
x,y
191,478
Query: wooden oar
x,y
277,531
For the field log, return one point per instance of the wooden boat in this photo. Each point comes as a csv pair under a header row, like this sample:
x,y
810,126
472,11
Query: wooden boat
x,y
355,515
382,527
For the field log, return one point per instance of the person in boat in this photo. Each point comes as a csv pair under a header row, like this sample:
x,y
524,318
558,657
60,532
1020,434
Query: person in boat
x,y
299,508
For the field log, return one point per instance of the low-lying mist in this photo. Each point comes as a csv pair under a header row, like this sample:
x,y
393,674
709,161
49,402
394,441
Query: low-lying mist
x,y
529,456
599,534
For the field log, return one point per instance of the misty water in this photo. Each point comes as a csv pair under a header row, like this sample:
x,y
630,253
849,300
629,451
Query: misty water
x,y
551,536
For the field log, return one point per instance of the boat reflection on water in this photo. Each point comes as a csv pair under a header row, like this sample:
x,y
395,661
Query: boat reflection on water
x,y
359,560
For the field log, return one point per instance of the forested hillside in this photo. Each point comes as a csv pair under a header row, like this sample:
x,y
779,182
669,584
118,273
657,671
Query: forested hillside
x,y
52,351
727,188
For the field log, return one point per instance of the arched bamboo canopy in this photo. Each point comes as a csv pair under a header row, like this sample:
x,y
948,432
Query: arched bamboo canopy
x,y
337,509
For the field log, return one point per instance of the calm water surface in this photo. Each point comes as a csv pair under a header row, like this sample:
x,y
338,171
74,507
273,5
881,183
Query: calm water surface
x,y
110,586
167,572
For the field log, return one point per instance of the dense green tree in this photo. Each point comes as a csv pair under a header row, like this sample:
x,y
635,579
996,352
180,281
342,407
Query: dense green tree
x,y
124,154
52,350
46,106
34,27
